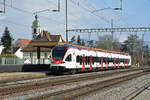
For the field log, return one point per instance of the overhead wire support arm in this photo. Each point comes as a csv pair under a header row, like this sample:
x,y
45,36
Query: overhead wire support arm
x,y
109,8
58,9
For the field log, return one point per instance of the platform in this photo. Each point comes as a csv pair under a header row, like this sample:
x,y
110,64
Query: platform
x,y
16,76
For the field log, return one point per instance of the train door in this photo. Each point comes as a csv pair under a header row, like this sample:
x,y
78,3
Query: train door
x,y
74,64
68,61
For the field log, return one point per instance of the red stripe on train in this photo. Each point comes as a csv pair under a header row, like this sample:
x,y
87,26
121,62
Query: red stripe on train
x,y
115,63
83,63
107,63
90,62
102,63
57,61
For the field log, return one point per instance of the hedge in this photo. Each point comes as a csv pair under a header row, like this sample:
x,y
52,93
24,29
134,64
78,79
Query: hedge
x,y
8,56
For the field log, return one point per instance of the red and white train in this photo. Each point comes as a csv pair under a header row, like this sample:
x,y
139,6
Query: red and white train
x,y
72,59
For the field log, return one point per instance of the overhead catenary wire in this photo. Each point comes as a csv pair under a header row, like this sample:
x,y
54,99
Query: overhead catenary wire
x,y
90,11
31,13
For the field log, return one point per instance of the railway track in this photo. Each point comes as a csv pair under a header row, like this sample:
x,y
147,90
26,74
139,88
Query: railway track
x,y
57,81
54,81
72,93
135,93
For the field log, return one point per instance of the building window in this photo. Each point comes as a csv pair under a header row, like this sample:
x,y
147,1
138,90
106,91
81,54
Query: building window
x,y
31,55
35,31
45,55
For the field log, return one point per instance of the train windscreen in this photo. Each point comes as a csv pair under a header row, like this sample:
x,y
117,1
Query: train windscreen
x,y
58,53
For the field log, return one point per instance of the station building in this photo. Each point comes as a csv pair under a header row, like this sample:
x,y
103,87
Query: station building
x,y
37,50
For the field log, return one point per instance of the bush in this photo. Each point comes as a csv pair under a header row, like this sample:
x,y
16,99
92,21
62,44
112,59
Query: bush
x,y
8,56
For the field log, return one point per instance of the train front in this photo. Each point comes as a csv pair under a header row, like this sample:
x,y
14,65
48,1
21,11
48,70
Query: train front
x,y
58,63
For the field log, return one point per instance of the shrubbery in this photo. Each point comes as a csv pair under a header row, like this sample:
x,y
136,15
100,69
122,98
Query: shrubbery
x,y
8,56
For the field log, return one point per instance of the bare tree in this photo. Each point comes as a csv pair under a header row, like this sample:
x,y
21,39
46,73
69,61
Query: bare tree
x,y
106,42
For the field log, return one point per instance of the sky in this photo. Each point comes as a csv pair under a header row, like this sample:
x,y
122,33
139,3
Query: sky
x,y
19,17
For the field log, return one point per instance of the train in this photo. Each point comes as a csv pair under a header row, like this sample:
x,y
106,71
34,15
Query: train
x,y
73,59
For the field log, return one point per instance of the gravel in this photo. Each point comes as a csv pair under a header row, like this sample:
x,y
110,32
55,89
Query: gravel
x,y
120,91
145,95
108,94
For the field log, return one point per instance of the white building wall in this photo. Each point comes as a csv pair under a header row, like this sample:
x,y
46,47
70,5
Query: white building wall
x,y
1,48
33,59
19,53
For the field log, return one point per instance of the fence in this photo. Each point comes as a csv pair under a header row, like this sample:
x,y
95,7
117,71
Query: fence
x,y
38,61
6,60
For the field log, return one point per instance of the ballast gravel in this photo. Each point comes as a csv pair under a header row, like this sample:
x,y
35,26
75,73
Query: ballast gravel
x,y
121,91
95,96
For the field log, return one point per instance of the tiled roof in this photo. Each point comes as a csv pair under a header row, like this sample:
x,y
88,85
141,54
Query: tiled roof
x,y
46,36
25,42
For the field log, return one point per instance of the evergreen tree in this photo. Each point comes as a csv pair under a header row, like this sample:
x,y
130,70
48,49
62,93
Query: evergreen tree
x,y
78,40
83,43
133,45
73,39
6,41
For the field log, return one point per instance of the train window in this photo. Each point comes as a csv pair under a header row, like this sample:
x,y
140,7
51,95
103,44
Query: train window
x,y
69,58
99,60
104,59
86,60
120,61
93,60
78,58
110,60
117,61
58,52
96,59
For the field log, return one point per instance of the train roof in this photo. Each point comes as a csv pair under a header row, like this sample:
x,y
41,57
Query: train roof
x,y
91,48
68,46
